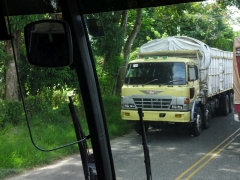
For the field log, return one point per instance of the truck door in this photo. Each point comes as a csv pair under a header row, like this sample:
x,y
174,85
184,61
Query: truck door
x,y
193,79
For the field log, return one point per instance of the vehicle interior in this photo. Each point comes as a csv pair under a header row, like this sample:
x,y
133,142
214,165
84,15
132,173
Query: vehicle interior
x,y
74,32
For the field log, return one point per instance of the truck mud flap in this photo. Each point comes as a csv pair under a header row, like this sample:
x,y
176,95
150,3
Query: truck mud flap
x,y
194,111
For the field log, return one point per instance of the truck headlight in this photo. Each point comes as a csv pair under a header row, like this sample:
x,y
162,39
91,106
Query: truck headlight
x,y
176,107
129,106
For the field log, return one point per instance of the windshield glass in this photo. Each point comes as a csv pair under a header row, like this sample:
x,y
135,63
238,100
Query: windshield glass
x,y
156,73
173,114
134,31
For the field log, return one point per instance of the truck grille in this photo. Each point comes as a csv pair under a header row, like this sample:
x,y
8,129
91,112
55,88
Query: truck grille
x,y
152,103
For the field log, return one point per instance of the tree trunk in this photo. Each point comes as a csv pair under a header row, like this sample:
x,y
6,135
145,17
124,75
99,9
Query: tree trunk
x,y
105,61
118,17
119,81
128,45
132,36
11,87
124,21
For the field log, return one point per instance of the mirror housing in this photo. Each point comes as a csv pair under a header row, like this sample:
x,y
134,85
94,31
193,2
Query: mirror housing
x,y
95,27
4,33
48,43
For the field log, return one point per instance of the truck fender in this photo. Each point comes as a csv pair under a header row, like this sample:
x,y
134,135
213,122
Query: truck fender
x,y
194,111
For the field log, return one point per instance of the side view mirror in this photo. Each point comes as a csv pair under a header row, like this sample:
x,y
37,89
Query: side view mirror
x,y
48,43
4,33
95,28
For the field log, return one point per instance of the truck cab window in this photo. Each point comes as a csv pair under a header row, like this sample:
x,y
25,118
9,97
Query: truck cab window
x,y
156,73
192,75
196,70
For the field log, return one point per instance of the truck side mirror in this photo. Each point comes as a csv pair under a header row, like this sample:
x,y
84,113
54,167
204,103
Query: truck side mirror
x,y
48,43
95,27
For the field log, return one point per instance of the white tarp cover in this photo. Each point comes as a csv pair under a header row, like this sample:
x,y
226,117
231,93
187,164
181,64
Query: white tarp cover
x,y
236,79
173,43
179,43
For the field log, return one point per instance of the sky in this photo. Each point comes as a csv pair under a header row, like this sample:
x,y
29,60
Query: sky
x,y
235,14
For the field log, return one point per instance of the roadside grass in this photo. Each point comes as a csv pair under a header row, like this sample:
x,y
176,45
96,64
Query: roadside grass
x,y
116,126
50,130
18,153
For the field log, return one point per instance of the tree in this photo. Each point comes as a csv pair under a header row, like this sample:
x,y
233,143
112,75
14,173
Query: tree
x,y
36,79
2,70
120,34
207,23
33,79
111,45
132,36
225,3
11,87
159,22
12,48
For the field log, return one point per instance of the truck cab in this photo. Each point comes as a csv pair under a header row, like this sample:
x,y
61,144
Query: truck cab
x,y
164,87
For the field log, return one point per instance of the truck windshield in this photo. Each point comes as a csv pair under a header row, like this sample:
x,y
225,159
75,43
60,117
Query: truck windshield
x,y
156,73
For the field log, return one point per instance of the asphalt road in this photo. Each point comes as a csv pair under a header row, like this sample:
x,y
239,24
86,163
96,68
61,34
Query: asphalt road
x,y
214,155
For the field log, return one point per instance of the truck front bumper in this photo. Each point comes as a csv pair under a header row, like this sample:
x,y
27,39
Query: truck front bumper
x,y
161,116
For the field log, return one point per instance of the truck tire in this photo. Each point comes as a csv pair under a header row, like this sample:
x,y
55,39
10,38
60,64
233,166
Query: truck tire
x,y
225,105
137,127
197,124
230,102
206,117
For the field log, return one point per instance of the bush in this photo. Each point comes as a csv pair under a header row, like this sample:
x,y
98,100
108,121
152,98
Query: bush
x,y
3,112
108,77
11,112
59,97
116,126
36,104
63,109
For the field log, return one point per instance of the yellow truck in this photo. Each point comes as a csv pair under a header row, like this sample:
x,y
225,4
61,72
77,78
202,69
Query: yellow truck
x,y
177,79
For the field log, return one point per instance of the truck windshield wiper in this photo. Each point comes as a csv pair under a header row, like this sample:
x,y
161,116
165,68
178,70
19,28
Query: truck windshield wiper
x,y
171,81
150,81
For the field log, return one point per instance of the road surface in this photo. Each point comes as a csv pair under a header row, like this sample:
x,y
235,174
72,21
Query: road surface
x,y
215,154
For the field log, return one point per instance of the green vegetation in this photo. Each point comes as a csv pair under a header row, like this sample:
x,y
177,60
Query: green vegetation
x,y
17,151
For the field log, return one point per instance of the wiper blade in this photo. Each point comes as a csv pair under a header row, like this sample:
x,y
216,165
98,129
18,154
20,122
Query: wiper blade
x,y
150,81
171,81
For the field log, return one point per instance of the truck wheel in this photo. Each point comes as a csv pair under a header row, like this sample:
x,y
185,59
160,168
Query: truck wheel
x,y
230,102
197,124
207,117
225,105
217,109
137,127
